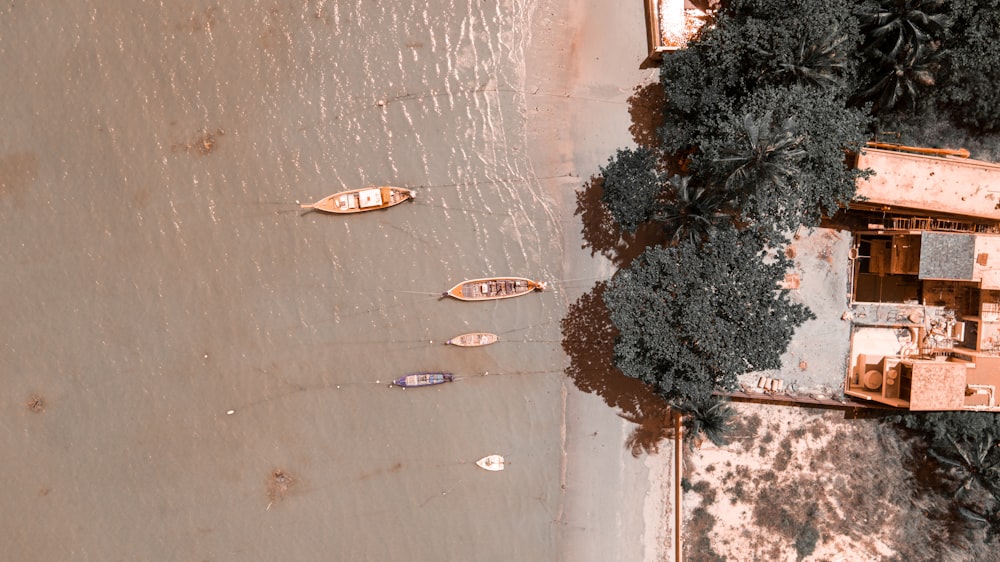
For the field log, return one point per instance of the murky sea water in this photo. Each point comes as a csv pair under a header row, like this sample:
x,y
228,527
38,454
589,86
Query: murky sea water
x,y
158,274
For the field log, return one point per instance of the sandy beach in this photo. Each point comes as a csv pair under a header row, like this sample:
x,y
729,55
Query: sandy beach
x,y
583,65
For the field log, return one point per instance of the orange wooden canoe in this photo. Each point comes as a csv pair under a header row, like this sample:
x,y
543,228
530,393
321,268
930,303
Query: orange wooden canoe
x,y
361,200
494,288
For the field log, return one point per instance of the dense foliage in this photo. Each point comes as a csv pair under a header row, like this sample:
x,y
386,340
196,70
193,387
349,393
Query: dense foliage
x,y
708,418
691,318
965,448
761,110
902,51
797,170
632,184
751,45
969,90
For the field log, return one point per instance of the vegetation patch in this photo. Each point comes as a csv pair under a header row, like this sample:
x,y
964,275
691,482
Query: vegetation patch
x,y
698,547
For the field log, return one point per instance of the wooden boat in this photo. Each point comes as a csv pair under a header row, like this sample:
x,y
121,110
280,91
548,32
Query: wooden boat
x,y
494,288
474,339
491,462
359,200
423,379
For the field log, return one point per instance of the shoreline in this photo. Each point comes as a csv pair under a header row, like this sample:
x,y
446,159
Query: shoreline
x,y
582,65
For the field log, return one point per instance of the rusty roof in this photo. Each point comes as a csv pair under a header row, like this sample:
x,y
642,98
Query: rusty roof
x,y
937,385
956,186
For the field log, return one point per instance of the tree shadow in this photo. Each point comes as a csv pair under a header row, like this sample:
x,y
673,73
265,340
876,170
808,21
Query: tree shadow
x,y
645,107
600,231
588,334
588,340
602,234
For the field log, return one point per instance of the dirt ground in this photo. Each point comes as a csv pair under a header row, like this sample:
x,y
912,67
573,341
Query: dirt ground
x,y
808,484
817,356
793,483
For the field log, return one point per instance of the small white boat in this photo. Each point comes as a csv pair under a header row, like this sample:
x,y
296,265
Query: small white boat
x,y
474,339
491,462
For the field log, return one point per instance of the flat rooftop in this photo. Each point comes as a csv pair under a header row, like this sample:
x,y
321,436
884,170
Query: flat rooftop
x,y
933,184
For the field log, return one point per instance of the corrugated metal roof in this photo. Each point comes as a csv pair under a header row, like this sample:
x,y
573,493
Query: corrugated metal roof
x,y
947,256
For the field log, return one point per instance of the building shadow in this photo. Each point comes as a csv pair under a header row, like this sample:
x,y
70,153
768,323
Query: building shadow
x,y
588,340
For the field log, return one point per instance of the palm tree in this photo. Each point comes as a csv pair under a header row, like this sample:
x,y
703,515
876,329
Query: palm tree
x,y
903,78
766,157
709,418
895,26
693,213
902,43
989,518
818,63
972,463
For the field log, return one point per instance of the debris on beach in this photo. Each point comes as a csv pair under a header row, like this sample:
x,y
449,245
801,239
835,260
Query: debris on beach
x,y
36,404
279,485
203,145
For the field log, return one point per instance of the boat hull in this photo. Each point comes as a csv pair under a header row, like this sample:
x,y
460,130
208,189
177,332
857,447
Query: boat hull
x,y
494,288
474,339
361,200
423,379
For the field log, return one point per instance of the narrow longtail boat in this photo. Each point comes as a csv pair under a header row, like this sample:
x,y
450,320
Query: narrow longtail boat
x,y
423,379
493,288
474,339
359,200
491,462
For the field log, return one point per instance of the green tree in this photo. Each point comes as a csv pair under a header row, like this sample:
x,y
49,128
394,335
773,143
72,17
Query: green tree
x,y
893,27
755,44
691,318
969,89
632,186
972,461
987,518
693,213
901,81
812,178
903,51
762,154
820,62
710,417
942,427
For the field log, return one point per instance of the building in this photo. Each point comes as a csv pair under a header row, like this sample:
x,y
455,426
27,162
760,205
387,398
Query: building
x,y
669,25
925,283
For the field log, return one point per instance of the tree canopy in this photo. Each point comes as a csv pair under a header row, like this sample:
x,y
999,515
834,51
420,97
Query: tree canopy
x,y
799,152
632,185
755,44
691,318
762,108
969,91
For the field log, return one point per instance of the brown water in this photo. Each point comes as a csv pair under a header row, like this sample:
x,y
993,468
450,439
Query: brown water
x,y
158,274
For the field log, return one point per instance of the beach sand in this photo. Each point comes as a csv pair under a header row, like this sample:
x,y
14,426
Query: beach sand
x,y
583,70
583,65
